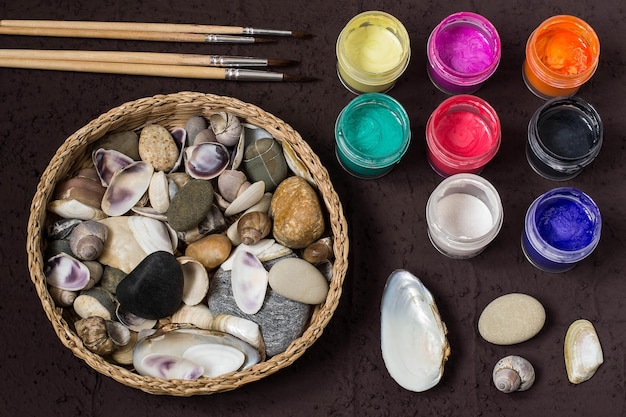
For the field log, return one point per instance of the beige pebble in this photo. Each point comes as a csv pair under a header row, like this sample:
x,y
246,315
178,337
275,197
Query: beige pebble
x,y
510,319
157,146
298,280
211,250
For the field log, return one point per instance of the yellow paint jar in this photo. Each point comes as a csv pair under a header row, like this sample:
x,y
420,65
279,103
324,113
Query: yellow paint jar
x,y
561,55
373,50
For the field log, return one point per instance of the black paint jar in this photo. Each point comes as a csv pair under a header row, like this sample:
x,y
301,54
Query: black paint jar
x,y
564,136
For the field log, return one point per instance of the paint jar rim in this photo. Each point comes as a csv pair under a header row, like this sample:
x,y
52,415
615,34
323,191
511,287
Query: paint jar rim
x,y
544,73
473,104
374,78
568,166
452,245
359,157
450,74
545,249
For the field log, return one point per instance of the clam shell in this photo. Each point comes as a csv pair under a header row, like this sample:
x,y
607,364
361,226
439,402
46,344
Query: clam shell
x,y
132,321
206,160
296,165
66,272
74,209
198,315
583,352
152,235
252,195
256,249
107,162
180,138
196,280
158,192
126,188
216,359
413,336
244,329
249,282
160,365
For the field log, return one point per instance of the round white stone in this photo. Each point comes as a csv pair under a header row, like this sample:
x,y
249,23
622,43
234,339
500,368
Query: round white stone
x,y
511,318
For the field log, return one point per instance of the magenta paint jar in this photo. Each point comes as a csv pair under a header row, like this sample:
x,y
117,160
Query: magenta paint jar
x,y
463,52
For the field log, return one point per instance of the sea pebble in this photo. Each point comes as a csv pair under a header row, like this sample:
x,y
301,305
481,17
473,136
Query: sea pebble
x,y
510,319
190,205
154,289
298,280
210,250
264,161
280,319
195,125
124,142
157,146
297,215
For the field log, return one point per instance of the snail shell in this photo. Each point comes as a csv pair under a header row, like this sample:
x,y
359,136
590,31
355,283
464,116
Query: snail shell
x,y
94,334
253,227
231,183
319,251
87,240
513,373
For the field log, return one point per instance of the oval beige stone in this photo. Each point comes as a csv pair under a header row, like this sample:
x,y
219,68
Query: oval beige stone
x,y
298,280
512,318
157,146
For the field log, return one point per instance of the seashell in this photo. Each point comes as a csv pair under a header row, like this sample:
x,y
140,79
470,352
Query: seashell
x,y
413,336
83,188
179,179
513,373
583,352
196,280
210,251
161,365
215,359
174,342
274,251
249,282
150,234
244,329
194,125
198,315
227,128
94,334
256,249
232,183
119,334
62,228
180,139
296,165
206,160
159,192
95,302
132,321
319,251
107,162
254,133
253,227
247,199
264,161
66,272
149,212
87,240
262,205
62,298
236,156
126,188
123,355
74,209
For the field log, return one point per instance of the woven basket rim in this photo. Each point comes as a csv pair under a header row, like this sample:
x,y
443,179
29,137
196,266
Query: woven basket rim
x,y
172,110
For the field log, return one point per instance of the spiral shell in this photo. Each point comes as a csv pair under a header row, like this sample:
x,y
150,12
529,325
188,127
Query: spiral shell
x,y
87,240
253,227
513,373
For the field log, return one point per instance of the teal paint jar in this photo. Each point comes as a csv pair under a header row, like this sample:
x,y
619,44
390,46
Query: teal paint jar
x,y
372,133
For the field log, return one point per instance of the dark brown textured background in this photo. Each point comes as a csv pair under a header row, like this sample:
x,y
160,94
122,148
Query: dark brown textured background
x,y
343,373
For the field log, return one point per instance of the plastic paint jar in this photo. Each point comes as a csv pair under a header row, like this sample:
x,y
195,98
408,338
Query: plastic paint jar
x,y
462,135
562,227
564,136
561,55
464,214
463,52
373,50
372,134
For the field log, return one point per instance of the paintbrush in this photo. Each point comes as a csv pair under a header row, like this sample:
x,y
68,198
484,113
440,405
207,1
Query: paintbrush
x,y
129,35
179,71
152,27
146,58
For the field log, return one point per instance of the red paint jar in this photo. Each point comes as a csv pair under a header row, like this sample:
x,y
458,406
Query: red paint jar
x,y
462,135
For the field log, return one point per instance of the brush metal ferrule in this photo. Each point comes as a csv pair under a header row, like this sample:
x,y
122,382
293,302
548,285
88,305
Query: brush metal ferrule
x,y
266,32
237,61
252,75
228,39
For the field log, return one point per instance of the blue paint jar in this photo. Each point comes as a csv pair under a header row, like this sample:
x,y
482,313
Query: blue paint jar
x,y
564,136
372,134
562,228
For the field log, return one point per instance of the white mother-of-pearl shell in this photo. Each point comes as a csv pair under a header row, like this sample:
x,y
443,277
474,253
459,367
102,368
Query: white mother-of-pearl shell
x,y
413,336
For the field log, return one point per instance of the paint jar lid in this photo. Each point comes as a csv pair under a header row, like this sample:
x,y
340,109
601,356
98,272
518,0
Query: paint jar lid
x,y
373,131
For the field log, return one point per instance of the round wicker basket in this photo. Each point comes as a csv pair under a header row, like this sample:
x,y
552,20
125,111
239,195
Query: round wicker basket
x,y
172,111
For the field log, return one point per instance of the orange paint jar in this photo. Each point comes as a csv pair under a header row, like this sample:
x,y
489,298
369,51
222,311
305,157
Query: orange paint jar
x,y
561,55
